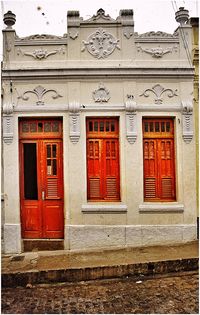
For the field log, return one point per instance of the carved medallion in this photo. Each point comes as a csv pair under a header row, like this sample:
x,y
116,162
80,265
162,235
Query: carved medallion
x,y
101,44
101,94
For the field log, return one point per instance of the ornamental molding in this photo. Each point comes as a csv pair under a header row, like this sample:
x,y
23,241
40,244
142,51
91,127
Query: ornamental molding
x,y
74,122
39,91
128,32
100,44
41,53
8,108
8,129
99,16
73,33
158,34
131,119
39,37
157,52
102,94
187,112
158,91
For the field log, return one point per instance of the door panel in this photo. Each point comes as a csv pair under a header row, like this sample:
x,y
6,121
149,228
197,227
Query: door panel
x,y
41,188
53,219
31,222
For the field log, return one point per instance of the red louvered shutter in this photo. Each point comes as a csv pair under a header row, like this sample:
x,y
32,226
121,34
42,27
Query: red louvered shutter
x,y
103,159
94,169
111,160
150,169
159,169
167,178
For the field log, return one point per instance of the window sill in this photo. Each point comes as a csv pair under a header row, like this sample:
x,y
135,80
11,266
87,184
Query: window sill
x,y
104,208
161,207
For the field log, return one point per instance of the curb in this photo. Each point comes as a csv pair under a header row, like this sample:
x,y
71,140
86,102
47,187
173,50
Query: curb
x,y
94,273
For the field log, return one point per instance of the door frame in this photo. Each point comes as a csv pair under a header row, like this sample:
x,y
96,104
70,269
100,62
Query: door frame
x,y
40,140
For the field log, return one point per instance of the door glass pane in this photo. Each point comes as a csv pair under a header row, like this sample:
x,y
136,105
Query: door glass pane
x,y
48,150
163,126
146,127
96,126
90,126
33,127
107,125
157,127
101,125
47,127
54,150
112,126
168,126
30,172
151,126
40,125
25,127
55,126
54,167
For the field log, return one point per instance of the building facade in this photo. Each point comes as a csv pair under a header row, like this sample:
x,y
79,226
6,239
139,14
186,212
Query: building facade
x,y
98,135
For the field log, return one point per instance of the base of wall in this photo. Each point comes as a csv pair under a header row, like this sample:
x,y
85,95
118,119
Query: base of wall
x,y
12,238
96,236
80,237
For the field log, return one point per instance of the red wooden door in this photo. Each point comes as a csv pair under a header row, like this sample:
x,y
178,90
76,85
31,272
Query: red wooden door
x,y
41,183
159,169
103,159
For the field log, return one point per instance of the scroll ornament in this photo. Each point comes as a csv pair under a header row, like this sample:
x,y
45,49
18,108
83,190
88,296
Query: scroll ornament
x,y
39,91
158,90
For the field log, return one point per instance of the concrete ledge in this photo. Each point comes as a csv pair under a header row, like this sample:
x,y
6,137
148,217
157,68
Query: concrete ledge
x,y
106,208
160,207
92,273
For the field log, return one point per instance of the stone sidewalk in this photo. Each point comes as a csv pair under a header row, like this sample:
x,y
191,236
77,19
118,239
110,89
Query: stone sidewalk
x,y
65,265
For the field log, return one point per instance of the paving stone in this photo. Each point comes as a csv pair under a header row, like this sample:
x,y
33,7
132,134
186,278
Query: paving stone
x,y
174,293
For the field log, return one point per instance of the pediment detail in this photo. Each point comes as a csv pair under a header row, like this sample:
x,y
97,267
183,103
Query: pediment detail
x,y
100,17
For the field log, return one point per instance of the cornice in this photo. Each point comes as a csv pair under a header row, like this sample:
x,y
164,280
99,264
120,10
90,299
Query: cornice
x,y
97,73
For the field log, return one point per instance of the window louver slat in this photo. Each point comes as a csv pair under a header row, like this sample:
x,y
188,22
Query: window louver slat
x,y
52,187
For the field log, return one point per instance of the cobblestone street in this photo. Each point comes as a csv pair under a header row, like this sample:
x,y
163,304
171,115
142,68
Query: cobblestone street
x,y
166,294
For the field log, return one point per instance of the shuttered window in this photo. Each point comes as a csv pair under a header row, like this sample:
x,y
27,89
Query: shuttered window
x,y
103,159
159,169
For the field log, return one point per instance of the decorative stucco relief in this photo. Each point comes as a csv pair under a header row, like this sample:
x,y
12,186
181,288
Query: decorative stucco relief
x,y
156,35
8,123
40,36
157,52
128,32
74,122
101,94
158,91
131,119
41,53
100,44
39,91
100,15
73,33
187,113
